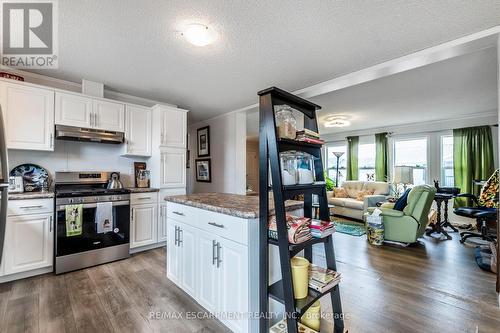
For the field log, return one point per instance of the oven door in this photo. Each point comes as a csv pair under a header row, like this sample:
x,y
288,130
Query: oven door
x,y
90,239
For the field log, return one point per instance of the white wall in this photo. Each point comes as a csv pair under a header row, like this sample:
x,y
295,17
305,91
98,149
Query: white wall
x,y
79,156
227,153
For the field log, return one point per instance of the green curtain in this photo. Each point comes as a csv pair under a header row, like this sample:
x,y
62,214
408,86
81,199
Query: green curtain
x,y
381,161
472,159
352,157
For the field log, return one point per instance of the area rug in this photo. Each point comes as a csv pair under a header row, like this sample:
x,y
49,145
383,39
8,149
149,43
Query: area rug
x,y
349,227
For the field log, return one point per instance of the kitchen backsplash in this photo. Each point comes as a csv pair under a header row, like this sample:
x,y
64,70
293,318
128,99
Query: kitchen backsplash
x,y
79,156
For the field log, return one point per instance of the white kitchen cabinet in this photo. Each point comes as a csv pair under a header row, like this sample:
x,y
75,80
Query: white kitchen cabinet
x,y
74,110
232,277
173,254
109,116
208,282
28,243
143,225
174,128
187,241
162,223
87,112
138,131
29,116
172,168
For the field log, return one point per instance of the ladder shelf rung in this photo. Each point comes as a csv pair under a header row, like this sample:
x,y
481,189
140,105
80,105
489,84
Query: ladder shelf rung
x,y
296,248
301,305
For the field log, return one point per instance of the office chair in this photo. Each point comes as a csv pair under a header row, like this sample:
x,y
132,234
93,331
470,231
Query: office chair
x,y
485,209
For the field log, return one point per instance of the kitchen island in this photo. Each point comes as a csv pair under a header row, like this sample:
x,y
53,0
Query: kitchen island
x,y
212,253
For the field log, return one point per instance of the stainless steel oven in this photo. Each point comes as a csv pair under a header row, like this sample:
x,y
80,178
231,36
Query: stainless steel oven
x,y
90,245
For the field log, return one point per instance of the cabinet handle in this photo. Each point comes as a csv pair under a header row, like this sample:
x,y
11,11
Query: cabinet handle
x,y
214,255
50,224
179,242
178,213
31,207
144,198
132,215
218,255
51,140
176,236
95,119
91,119
216,225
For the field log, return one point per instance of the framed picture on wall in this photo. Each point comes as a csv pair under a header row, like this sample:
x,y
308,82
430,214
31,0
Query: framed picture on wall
x,y
203,141
203,170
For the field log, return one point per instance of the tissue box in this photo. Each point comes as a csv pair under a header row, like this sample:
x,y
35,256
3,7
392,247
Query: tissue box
x,y
372,219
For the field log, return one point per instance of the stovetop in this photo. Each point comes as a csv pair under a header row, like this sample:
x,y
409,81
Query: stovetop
x,y
70,192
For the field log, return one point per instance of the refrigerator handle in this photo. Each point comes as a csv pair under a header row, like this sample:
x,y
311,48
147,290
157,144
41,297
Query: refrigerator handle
x,y
4,164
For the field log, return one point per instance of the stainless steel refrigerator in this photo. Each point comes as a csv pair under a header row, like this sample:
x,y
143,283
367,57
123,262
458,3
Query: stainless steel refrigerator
x,y
4,183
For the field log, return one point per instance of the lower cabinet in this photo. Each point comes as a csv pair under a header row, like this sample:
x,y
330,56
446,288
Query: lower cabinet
x,y
143,225
212,269
28,243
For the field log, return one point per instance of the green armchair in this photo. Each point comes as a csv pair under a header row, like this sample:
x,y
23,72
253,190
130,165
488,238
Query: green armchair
x,y
408,225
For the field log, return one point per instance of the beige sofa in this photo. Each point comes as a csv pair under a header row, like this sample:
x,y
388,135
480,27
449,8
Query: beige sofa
x,y
350,207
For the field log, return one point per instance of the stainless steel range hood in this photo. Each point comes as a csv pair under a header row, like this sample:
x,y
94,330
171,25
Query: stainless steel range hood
x,y
89,135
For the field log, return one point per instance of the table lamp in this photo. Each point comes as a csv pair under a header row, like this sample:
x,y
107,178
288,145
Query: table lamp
x,y
403,175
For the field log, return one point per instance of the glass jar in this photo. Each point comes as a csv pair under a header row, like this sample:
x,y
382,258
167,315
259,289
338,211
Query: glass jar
x,y
305,168
288,168
285,122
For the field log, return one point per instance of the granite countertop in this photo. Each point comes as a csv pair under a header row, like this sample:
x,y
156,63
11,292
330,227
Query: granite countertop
x,y
242,206
31,195
142,189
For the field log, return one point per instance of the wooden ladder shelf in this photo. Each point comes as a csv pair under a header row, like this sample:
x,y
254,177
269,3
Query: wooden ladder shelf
x,y
270,146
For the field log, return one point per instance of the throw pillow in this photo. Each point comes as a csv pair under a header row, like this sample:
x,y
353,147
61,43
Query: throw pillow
x,y
362,194
402,201
340,192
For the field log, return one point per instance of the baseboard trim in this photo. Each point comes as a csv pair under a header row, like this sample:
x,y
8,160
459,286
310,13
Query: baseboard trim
x,y
147,247
23,275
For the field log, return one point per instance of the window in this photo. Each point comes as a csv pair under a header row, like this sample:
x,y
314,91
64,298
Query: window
x,y
366,162
447,177
412,152
332,162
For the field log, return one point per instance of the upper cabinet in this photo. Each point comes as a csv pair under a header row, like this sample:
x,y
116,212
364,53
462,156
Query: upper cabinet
x,y
73,110
138,131
29,116
173,126
82,111
109,116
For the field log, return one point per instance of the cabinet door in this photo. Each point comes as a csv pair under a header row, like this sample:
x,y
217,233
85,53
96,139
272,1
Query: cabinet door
x,y
143,225
187,243
138,131
29,117
162,224
28,243
173,254
109,116
172,167
233,282
73,110
208,295
174,128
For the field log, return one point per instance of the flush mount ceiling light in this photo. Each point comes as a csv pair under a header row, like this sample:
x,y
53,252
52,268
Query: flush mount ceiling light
x,y
199,34
336,121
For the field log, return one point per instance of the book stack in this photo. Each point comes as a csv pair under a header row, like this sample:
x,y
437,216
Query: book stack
x,y
322,279
321,229
298,228
309,136
280,327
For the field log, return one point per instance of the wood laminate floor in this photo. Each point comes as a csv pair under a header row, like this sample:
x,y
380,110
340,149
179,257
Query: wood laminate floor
x,y
432,287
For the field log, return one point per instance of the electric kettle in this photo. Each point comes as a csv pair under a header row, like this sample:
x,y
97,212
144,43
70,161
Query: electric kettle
x,y
114,182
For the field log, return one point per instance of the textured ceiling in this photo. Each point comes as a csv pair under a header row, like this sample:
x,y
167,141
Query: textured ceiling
x,y
458,87
132,46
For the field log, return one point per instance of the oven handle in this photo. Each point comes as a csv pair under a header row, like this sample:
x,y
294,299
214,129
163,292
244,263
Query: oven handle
x,y
94,205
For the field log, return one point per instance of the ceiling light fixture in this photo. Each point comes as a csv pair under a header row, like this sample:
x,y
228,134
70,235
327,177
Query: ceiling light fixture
x,y
199,34
336,121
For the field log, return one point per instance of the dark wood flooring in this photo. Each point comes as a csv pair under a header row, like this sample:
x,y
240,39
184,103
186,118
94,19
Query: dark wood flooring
x,y
432,287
